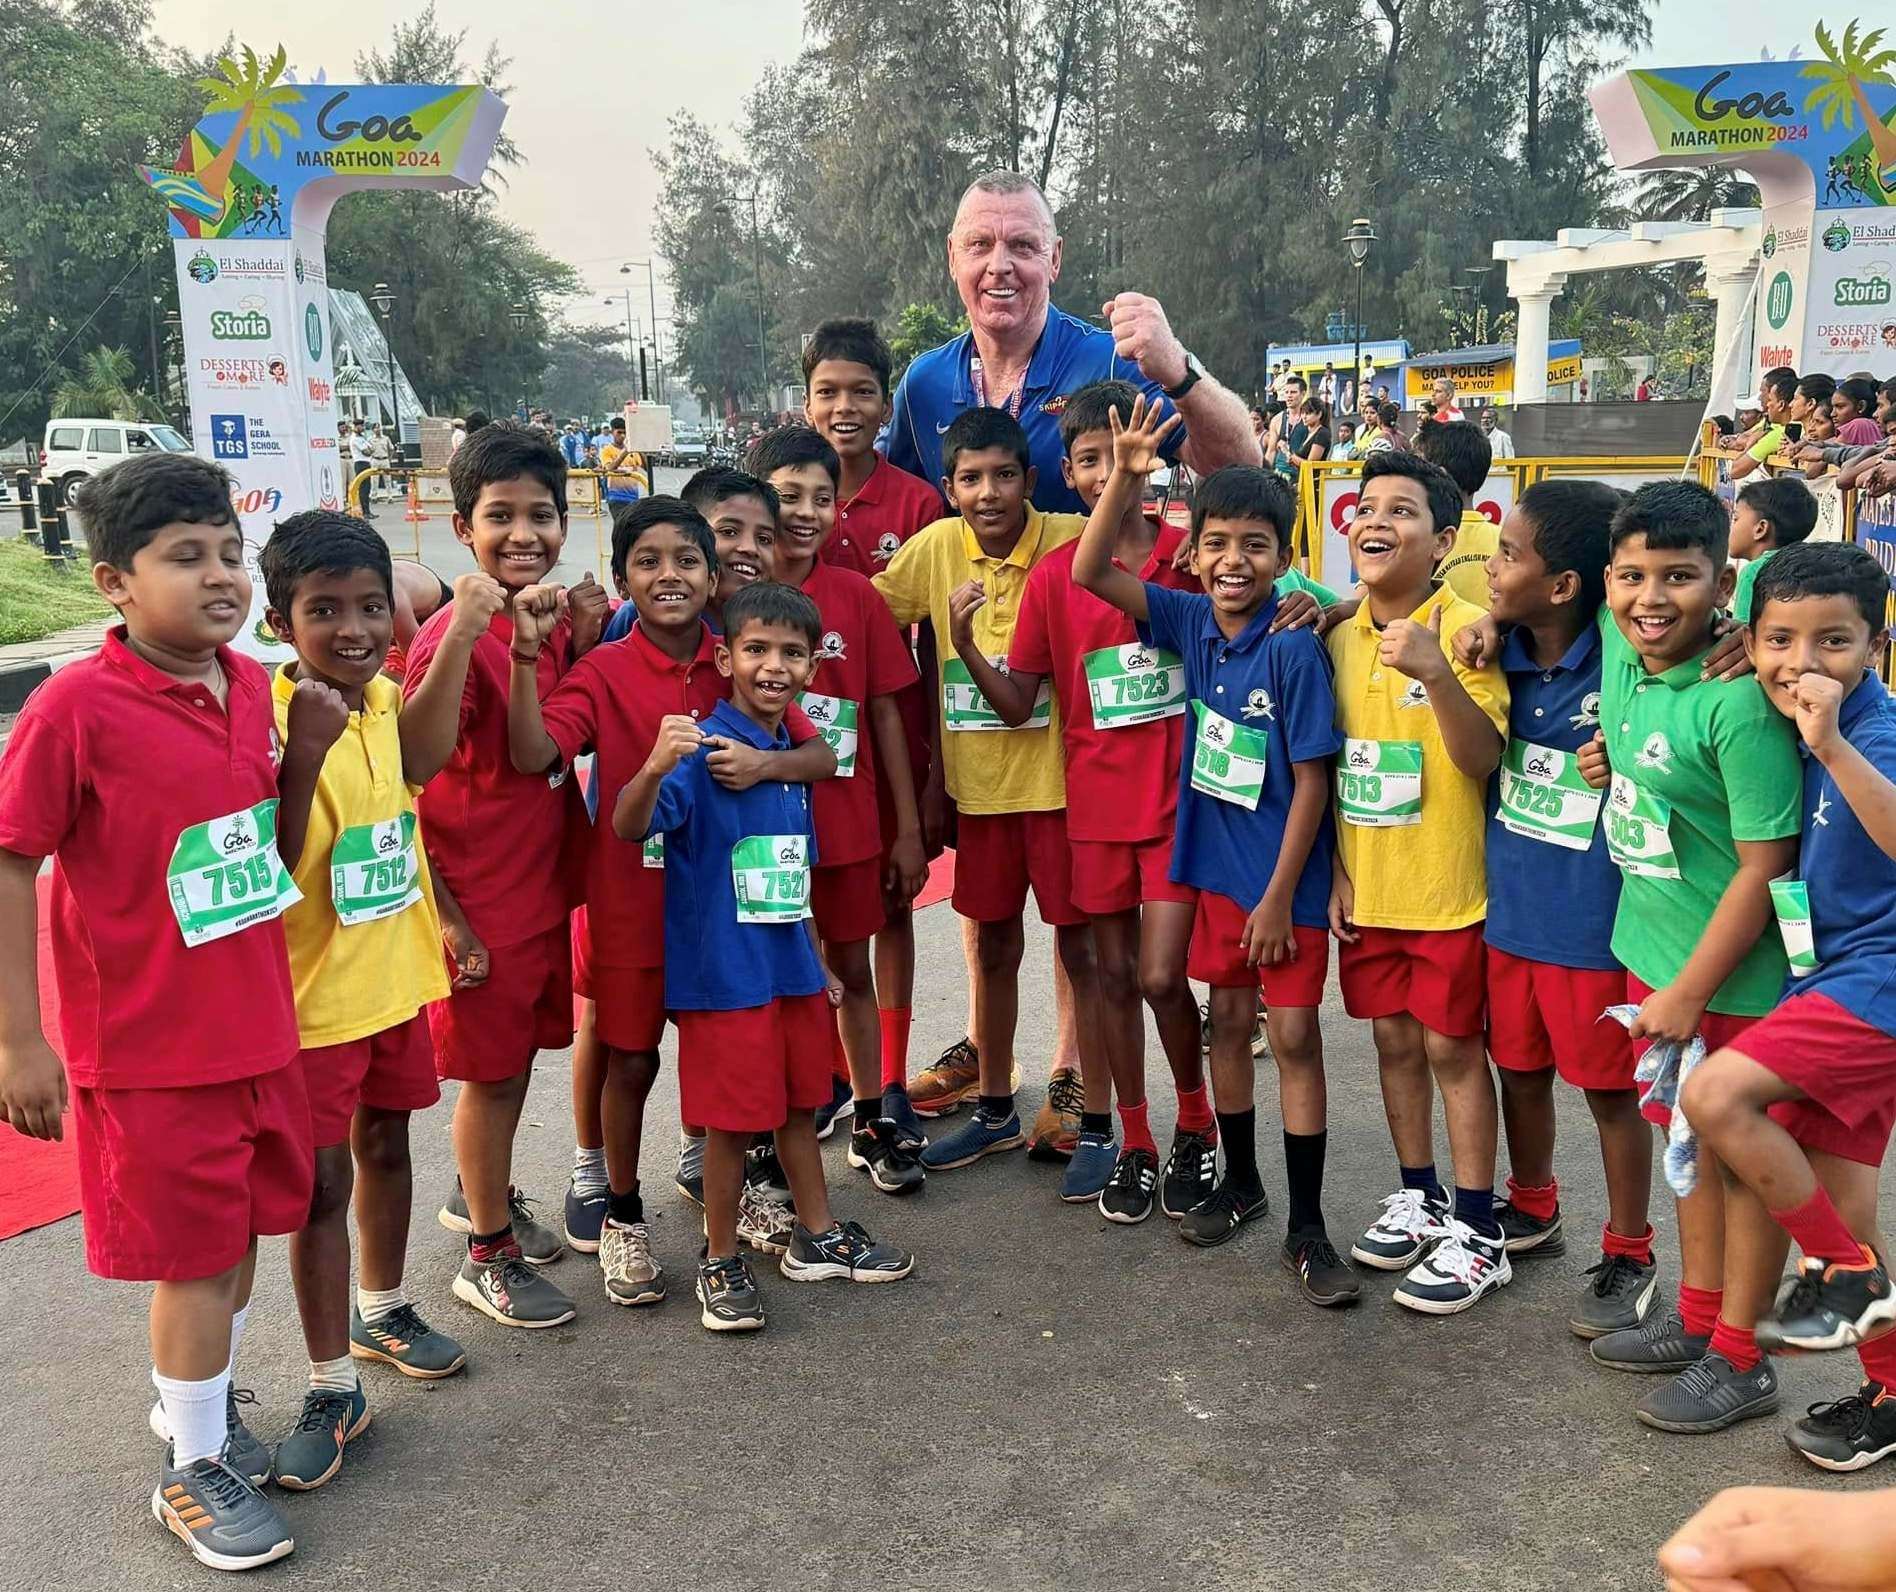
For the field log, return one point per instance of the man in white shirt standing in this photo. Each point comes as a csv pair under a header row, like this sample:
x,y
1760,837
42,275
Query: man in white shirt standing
x,y
1499,442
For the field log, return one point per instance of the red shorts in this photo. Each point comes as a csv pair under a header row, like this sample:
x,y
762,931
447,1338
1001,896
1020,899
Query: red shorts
x,y
1717,1029
1845,1066
391,1071
846,900
1432,975
489,1033
1217,959
1541,1015
628,1002
745,1071
1118,875
174,1183
998,855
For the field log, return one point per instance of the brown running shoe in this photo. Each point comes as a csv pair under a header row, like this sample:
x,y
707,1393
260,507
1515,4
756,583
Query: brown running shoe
x,y
1057,1127
954,1078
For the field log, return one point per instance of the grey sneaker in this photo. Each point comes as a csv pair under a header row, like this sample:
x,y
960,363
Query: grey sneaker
x,y
404,1340
1710,1395
1659,1343
727,1296
514,1294
845,1252
244,1451
1619,1296
219,1515
763,1223
625,1256
312,1453
1530,1235
539,1244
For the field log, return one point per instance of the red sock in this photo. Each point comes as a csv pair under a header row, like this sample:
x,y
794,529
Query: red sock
x,y
1539,1203
1879,1359
1820,1232
1737,1344
895,1040
1698,1308
1138,1132
1194,1112
1639,1249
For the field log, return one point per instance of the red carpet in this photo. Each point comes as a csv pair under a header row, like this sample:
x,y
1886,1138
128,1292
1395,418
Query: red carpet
x,y
38,1182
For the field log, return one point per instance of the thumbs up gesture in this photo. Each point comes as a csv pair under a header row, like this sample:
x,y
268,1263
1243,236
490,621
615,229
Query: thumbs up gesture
x,y
1415,649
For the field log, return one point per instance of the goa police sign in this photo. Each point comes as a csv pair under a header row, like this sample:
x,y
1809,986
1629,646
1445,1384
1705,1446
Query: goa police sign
x,y
250,197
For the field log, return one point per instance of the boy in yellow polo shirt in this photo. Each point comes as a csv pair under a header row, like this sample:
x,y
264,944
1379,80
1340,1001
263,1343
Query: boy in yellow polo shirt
x,y
365,960
1462,449
1422,733
966,576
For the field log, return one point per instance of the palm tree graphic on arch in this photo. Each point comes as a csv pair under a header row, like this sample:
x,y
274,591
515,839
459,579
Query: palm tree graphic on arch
x,y
254,91
1844,71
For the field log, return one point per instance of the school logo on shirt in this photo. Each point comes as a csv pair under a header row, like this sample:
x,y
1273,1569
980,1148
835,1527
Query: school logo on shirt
x,y
1818,818
1656,753
888,544
1258,705
832,645
276,741
1415,696
1589,713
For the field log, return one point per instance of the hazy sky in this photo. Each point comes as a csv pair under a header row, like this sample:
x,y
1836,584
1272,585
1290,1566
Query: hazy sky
x,y
591,96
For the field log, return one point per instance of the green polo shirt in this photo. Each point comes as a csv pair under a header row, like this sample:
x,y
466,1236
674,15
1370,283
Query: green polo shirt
x,y
1698,765
1747,578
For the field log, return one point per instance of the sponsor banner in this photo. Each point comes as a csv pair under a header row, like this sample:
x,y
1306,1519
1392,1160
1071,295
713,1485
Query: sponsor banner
x,y
1876,529
1852,292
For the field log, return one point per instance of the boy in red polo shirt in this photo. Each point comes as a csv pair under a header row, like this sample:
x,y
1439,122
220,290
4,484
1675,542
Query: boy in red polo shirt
x,y
498,838
847,369
177,1023
612,702
866,665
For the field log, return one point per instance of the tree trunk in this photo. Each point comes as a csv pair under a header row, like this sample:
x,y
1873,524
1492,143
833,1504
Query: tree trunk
x,y
1536,51
1062,76
1882,140
1386,84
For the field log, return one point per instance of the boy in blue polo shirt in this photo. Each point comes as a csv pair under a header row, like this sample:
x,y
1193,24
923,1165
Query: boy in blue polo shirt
x,y
1799,1107
1254,831
737,926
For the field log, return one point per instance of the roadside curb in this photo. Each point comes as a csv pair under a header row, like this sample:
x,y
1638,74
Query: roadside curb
x,y
19,678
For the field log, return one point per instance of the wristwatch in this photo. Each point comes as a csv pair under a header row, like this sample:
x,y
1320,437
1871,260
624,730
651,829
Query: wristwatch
x,y
1194,374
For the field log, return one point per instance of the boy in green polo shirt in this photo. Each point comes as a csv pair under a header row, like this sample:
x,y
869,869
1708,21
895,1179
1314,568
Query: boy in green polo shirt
x,y
1768,515
1703,809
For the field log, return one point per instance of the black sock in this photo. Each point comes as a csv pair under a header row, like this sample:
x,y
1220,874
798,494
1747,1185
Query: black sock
x,y
490,1241
1100,1122
1303,1162
626,1210
1237,1131
996,1108
1424,1180
867,1111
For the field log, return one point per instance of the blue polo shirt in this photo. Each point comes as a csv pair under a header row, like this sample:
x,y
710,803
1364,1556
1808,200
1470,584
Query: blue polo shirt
x,y
1280,684
713,962
1071,354
1545,902
1852,880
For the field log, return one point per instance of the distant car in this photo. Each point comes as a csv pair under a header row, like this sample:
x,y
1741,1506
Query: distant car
x,y
78,448
688,446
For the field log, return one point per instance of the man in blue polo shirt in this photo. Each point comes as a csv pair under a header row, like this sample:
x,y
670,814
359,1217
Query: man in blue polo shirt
x,y
1552,894
744,981
1023,355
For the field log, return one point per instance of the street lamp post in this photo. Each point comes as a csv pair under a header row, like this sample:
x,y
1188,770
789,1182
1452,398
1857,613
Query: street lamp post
x,y
519,315
651,292
631,346
757,267
1358,240
384,302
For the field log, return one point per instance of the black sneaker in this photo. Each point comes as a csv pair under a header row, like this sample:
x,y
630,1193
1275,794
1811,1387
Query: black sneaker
x,y
728,1293
1191,1173
1127,1196
841,1103
1659,1343
1228,1209
1325,1277
898,1109
875,1149
1852,1434
1710,1395
219,1515
690,1179
764,1171
1530,1235
509,1291
1829,1305
312,1453
585,1216
845,1253
1619,1296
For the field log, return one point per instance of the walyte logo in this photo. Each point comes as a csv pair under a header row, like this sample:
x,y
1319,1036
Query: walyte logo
x,y
1863,292
319,393
1774,354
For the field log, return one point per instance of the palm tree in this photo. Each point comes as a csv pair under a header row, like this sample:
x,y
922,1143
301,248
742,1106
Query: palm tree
x,y
253,92
102,388
1692,194
1840,90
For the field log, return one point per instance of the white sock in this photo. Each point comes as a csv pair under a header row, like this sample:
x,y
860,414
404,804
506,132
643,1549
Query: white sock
x,y
238,1318
375,1303
194,1411
690,1156
589,1170
338,1374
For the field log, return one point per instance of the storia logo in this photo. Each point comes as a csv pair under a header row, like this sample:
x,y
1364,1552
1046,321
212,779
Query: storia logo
x,y
240,326
1862,292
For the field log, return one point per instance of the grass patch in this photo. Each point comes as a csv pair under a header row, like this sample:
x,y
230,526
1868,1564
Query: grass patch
x,y
36,599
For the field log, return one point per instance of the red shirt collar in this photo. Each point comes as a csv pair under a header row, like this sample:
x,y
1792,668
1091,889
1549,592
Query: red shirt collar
x,y
873,489
661,662
117,652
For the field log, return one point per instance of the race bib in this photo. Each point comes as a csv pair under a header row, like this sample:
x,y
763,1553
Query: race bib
x,y
1227,759
1379,783
1544,798
1790,900
771,874
374,870
1134,685
965,708
652,852
1638,830
225,875
836,720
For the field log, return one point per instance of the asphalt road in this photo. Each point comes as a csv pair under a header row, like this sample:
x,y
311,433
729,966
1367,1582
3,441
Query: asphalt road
x,y
1051,1400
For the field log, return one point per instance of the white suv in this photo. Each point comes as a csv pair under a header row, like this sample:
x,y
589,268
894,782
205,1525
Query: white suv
x,y
76,449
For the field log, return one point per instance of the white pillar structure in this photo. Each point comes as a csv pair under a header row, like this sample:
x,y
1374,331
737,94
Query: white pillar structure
x,y
1730,279
1530,338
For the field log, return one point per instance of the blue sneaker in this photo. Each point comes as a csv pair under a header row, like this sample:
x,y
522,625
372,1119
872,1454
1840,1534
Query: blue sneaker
x,y
1090,1170
897,1108
585,1217
842,1098
976,1137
